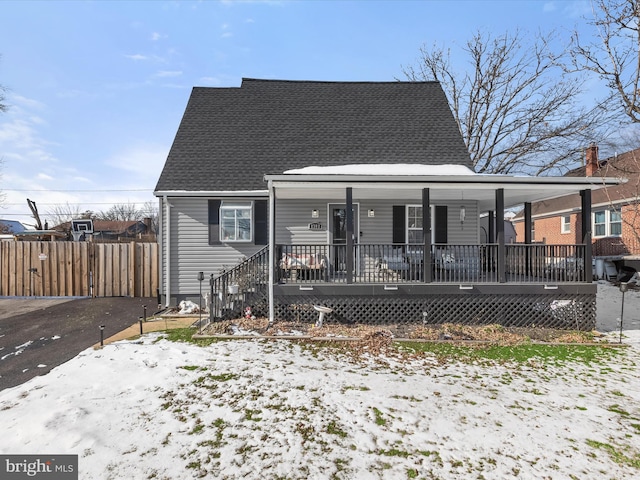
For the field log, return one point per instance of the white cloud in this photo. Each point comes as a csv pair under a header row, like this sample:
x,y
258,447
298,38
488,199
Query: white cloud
x,y
21,101
155,36
168,73
143,160
137,57
44,176
209,81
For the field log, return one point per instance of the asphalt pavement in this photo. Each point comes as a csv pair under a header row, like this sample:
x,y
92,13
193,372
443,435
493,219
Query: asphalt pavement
x,y
38,334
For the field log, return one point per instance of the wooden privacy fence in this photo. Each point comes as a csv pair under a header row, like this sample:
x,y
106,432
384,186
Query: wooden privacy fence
x,y
82,269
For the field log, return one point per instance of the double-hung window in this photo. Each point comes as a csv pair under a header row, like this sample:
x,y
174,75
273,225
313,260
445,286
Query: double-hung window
x,y
566,224
415,233
607,223
235,222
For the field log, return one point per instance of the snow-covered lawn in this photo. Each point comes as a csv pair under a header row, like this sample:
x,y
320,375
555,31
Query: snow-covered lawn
x,y
281,409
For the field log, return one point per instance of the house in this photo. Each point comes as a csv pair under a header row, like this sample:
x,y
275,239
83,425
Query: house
x,y
8,228
355,199
615,218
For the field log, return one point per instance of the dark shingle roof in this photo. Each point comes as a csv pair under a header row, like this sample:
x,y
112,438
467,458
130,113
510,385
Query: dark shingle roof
x,y
230,137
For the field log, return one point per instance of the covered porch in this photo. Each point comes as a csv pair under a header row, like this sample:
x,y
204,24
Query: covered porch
x,y
381,247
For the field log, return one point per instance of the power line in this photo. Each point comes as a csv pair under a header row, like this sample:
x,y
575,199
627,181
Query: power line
x,y
80,203
75,191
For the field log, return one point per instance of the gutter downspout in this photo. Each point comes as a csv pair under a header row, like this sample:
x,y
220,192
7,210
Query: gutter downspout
x,y
167,244
272,240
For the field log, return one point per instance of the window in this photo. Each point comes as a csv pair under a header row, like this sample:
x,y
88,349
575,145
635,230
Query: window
x,y
533,230
615,223
607,223
566,224
235,222
414,225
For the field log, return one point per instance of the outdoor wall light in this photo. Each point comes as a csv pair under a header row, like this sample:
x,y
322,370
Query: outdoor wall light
x,y
372,213
315,213
463,214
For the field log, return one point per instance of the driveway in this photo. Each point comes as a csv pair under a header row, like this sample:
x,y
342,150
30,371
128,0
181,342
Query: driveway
x,y
37,335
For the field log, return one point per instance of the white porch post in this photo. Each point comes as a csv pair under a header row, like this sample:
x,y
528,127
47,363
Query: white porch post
x,y
272,246
166,236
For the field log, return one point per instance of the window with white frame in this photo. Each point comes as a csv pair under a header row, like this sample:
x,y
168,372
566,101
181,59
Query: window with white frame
x,y
607,223
565,226
415,233
235,222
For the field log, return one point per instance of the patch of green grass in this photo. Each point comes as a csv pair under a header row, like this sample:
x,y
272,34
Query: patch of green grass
x,y
517,353
186,335
190,368
361,388
393,452
617,453
252,415
222,377
334,429
618,410
379,417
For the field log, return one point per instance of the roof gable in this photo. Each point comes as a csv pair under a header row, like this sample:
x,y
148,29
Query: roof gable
x,y
230,137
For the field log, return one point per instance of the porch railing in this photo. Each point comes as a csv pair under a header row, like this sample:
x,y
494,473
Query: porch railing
x,y
246,284
399,263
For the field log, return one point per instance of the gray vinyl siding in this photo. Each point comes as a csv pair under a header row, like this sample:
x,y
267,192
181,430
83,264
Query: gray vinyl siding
x,y
294,216
190,249
467,233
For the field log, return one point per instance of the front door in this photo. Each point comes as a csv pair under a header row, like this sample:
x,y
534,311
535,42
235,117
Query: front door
x,y
338,229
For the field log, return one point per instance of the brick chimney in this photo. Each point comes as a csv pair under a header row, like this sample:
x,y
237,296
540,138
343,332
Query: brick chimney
x,y
591,159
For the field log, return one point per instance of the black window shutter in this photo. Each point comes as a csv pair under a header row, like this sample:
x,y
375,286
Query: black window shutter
x,y
399,224
261,235
440,221
214,222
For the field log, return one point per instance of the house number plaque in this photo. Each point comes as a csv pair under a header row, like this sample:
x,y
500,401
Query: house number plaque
x,y
315,226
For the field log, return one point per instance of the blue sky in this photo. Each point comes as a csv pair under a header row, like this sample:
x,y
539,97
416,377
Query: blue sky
x,y
97,88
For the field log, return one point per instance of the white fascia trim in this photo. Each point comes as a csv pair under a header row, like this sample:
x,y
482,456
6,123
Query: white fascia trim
x,y
212,193
489,181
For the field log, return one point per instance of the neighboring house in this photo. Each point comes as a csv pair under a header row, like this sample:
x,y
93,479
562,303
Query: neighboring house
x,y
291,196
111,230
615,218
8,229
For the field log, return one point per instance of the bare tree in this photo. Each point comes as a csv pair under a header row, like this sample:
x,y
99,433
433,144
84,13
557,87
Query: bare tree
x,y
121,212
3,90
614,55
516,107
60,214
150,210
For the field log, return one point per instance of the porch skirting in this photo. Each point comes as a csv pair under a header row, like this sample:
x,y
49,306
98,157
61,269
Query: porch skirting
x,y
566,306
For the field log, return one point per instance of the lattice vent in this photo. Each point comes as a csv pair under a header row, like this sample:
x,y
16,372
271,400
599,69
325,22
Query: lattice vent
x,y
548,311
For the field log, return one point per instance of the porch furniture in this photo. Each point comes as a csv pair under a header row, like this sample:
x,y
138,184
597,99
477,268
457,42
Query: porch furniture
x,y
392,261
303,265
458,263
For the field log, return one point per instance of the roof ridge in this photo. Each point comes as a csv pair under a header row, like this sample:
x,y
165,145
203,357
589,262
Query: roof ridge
x,y
333,82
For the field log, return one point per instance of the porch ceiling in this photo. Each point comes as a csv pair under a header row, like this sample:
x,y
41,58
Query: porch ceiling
x,y
517,190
